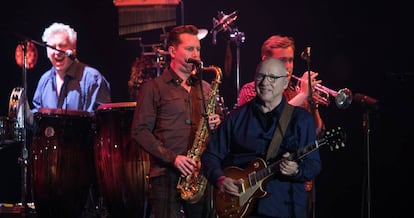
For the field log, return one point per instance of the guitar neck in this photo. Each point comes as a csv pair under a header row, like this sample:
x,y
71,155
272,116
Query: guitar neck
x,y
270,170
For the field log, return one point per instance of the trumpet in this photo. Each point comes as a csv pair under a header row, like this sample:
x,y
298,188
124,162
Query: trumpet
x,y
343,97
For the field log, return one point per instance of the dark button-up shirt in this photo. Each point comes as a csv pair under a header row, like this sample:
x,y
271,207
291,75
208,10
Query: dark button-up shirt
x,y
242,137
166,119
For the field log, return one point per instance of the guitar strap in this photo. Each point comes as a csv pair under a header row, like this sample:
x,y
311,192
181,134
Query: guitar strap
x,y
280,131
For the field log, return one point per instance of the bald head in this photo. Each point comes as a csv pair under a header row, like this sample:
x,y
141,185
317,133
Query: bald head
x,y
271,64
270,82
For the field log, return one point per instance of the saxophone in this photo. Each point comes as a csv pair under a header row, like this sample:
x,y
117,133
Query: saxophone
x,y
192,187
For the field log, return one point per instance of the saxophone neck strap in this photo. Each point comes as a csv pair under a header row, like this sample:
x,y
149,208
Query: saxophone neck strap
x,y
280,131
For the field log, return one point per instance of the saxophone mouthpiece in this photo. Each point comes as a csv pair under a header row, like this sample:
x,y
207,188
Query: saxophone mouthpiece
x,y
196,62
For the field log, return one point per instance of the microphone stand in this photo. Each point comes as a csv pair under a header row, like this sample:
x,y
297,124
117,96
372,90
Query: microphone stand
x,y
367,131
238,38
24,153
69,53
370,105
224,23
306,55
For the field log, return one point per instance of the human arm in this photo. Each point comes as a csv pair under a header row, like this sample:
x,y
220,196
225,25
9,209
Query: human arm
x,y
219,153
303,88
300,159
319,124
214,154
302,96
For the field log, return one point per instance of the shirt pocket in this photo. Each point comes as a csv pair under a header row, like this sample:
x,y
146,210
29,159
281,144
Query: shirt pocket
x,y
173,103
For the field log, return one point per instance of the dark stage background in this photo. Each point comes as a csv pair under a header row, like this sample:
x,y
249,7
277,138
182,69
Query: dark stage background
x,y
366,47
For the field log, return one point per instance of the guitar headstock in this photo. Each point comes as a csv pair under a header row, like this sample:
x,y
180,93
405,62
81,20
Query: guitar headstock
x,y
335,138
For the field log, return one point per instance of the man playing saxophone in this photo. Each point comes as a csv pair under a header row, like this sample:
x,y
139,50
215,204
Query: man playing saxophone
x,y
166,123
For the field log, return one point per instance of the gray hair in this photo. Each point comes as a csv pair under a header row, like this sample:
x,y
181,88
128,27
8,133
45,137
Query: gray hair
x,y
59,28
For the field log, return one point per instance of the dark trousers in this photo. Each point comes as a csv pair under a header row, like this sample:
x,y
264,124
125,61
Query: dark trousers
x,y
166,202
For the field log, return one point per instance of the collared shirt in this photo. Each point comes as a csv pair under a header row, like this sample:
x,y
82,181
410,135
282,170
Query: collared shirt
x,y
166,118
242,137
85,88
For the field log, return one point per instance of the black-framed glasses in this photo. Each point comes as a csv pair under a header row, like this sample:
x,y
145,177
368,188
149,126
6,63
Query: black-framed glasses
x,y
270,78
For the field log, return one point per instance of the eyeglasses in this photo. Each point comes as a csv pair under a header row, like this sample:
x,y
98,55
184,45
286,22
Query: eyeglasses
x,y
270,78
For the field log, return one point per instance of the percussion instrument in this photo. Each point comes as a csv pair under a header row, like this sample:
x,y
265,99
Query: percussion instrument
x,y
11,126
62,163
122,166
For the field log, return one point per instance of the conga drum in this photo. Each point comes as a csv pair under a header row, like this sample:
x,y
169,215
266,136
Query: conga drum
x,y
121,165
62,164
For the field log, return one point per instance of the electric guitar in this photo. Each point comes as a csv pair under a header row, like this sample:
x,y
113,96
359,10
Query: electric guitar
x,y
258,173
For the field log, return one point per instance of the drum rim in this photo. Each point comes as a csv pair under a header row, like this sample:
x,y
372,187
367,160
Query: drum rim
x,y
117,105
60,111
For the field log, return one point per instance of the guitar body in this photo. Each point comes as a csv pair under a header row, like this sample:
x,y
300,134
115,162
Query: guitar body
x,y
229,206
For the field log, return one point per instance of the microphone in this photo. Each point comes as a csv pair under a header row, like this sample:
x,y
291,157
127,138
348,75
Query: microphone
x,y
70,54
306,53
197,63
366,100
224,22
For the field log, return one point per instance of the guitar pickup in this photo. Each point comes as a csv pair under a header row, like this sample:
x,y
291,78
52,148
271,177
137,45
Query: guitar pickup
x,y
241,187
252,178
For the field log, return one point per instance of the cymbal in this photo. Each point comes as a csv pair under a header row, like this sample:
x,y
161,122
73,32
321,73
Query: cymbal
x,y
202,33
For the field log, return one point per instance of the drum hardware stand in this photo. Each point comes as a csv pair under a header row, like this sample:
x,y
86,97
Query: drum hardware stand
x,y
156,49
21,129
224,23
25,154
